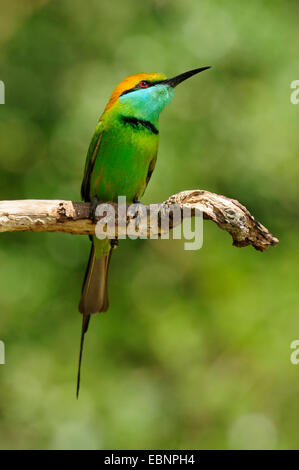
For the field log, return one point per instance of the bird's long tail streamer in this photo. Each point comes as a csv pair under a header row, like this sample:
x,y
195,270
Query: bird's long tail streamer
x,y
85,322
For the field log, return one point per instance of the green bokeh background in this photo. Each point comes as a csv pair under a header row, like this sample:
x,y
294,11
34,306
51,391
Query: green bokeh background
x,y
195,349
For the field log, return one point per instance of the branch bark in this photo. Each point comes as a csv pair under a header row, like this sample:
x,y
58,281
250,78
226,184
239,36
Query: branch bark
x,y
73,217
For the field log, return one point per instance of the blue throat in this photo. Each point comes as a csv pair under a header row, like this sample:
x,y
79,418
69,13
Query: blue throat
x,y
146,105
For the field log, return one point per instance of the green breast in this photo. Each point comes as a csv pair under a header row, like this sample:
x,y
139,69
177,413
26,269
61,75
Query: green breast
x,y
123,159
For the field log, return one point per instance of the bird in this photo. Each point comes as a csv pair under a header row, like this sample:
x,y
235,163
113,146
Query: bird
x,y
120,161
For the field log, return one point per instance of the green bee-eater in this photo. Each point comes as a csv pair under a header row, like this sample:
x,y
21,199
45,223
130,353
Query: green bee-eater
x,y
120,161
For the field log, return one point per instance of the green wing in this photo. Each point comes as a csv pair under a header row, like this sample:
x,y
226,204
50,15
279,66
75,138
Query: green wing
x,y
149,174
90,159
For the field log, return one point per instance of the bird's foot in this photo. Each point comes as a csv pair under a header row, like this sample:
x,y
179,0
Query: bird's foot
x,y
136,200
93,207
114,243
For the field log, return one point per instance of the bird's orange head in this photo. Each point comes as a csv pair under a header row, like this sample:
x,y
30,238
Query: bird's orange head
x,y
134,82
144,95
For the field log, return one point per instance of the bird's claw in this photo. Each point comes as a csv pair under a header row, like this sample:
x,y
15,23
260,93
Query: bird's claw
x,y
114,243
93,207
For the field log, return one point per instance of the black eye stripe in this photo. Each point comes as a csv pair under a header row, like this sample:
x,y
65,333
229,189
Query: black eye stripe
x,y
138,87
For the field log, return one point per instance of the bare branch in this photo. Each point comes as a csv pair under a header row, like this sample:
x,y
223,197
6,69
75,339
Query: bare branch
x,y
73,217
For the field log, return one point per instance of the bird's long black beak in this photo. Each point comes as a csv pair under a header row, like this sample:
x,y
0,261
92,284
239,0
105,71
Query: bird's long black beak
x,y
173,82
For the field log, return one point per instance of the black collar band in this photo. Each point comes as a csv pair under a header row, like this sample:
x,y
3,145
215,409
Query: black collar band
x,y
138,124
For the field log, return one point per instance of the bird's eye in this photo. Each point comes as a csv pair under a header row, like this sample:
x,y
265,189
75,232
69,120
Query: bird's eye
x,y
143,84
